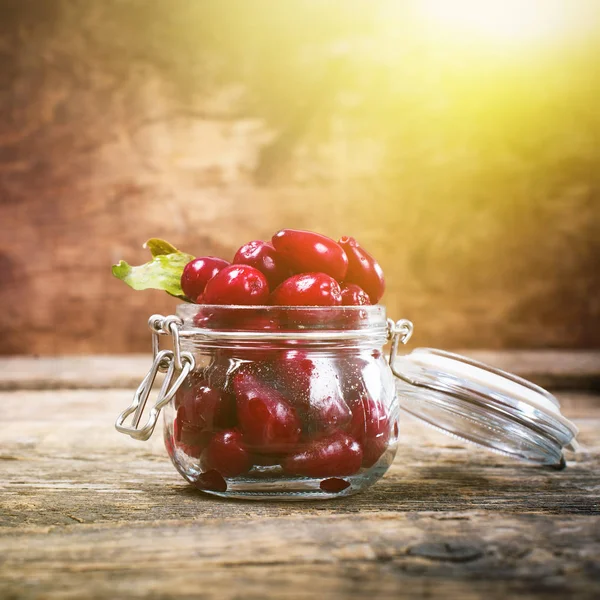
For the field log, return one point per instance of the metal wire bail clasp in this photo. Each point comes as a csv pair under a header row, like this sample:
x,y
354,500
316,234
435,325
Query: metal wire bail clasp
x,y
399,331
174,363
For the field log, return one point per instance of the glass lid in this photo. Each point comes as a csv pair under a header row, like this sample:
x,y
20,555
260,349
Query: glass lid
x,y
485,406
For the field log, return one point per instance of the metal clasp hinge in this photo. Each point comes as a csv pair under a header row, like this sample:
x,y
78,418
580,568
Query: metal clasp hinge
x,y
398,331
174,363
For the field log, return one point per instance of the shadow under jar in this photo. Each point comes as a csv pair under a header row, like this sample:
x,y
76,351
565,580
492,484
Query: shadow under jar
x,y
284,402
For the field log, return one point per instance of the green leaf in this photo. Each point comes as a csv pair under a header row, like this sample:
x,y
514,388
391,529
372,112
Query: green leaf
x,y
159,247
163,272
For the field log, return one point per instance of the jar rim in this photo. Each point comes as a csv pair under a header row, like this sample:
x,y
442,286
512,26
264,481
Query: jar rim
x,y
368,307
311,324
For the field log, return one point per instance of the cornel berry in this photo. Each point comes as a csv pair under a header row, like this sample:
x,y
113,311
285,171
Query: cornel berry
x,y
270,423
264,257
305,251
363,269
370,426
314,387
226,453
335,455
237,284
354,295
308,289
197,273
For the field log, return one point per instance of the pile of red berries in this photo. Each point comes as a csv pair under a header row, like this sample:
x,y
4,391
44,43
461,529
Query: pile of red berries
x,y
297,268
309,414
312,416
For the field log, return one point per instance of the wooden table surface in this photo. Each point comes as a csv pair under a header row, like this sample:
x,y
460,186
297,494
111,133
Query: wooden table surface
x,y
88,513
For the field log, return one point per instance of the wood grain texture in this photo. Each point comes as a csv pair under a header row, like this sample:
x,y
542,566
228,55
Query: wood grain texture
x,y
86,512
211,124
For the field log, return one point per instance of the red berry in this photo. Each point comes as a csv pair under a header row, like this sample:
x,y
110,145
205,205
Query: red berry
x,y
308,289
188,387
354,295
188,435
212,481
189,440
237,284
313,385
203,407
305,251
269,422
333,456
371,427
227,454
353,371
333,485
264,257
198,272
199,406
199,410
363,269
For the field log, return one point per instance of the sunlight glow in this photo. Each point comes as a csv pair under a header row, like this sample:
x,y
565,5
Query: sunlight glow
x,y
503,21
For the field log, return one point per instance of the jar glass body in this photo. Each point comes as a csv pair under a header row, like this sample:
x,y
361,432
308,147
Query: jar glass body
x,y
284,403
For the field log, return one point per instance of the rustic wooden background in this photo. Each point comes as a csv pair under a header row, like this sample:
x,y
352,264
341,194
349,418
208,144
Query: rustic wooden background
x,y
473,173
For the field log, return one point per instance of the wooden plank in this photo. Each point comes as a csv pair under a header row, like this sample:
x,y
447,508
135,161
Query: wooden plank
x,y
73,372
553,369
88,512
388,555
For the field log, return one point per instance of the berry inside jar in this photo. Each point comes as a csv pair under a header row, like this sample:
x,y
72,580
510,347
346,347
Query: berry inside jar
x,y
291,396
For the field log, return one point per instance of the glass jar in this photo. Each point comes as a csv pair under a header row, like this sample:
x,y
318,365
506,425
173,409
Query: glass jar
x,y
296,403
283,402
